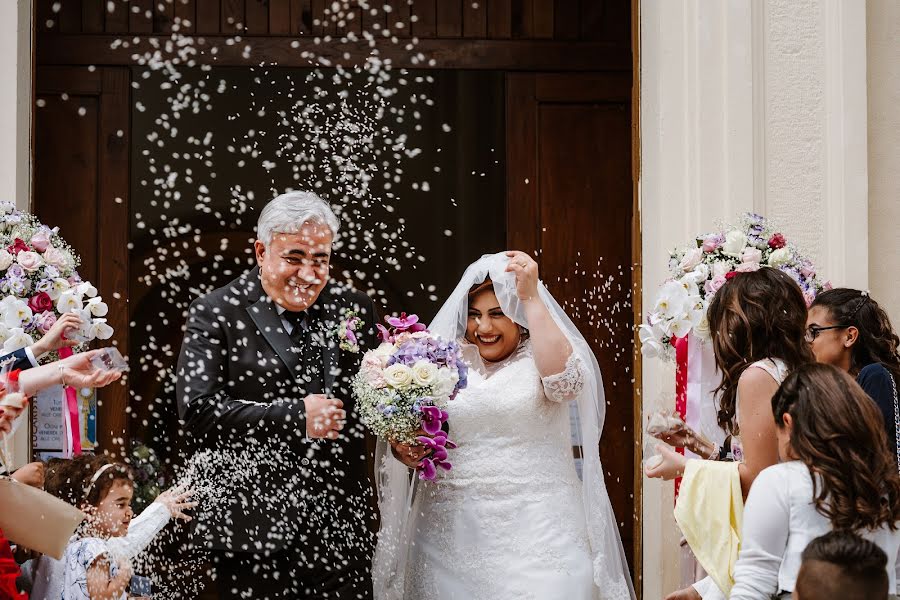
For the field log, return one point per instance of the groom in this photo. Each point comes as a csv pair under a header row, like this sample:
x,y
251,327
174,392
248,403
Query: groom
x,y
261,361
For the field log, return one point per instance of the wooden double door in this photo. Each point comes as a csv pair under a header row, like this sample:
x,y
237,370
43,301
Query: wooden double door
x,y
569,200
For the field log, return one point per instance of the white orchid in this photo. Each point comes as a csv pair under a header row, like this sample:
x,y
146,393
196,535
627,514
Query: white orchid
x,y
651,347
69,301
97,307
17,340
14,312
86,289
59,286
671,300
100,330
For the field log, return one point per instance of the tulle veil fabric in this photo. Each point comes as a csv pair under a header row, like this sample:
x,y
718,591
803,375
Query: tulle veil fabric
x,y
396,489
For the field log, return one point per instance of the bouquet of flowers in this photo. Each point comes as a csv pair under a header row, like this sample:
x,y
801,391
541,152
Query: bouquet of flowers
x,y
39,283
697,273
404,385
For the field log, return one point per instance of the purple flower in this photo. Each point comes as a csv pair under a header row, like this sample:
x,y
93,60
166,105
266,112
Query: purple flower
x,y
438,458
351,336
409,353
15,271
383,334
405,323
432,419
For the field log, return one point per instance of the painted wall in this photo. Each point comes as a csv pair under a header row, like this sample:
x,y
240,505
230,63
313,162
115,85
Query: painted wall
x,y
883,74
756,105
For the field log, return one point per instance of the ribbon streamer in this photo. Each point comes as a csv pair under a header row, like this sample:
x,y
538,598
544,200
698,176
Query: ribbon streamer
x,y
72,442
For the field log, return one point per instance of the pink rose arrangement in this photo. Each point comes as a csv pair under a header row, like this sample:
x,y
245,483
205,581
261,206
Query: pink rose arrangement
x,y
697,272
39,282
403,388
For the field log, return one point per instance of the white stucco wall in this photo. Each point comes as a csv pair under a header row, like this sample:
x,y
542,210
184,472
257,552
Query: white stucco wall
x,y
15,126
749,104
883,57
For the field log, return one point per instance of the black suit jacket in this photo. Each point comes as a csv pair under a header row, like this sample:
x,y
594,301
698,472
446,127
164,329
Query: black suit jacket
x,y
22,361
240,376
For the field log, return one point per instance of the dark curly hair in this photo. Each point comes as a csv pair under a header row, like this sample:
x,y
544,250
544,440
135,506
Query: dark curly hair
x,y
70,480
755,316
877,341
838,433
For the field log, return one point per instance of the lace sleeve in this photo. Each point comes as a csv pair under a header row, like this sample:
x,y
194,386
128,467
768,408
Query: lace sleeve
x,y
567,384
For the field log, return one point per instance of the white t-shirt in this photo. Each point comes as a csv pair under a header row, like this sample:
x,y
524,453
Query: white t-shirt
x,y
780,519
80,555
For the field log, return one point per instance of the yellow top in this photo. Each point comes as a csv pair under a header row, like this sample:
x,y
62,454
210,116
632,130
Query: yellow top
x,y
710,511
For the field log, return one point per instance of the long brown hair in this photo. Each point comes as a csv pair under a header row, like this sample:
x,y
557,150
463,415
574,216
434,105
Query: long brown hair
x,y
838,433
755,316
877,341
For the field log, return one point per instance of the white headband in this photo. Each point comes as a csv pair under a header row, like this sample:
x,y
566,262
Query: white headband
x,y
100,471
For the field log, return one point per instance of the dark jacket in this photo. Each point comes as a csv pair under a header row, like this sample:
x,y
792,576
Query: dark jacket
x,y
240,379
878,383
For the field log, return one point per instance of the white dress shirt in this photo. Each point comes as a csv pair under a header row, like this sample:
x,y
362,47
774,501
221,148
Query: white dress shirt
x,y
780,519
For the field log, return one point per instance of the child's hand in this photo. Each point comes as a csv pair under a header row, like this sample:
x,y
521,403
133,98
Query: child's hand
x,y
176,500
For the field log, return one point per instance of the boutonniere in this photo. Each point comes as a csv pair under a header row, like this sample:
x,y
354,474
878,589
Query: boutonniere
x,y
346,332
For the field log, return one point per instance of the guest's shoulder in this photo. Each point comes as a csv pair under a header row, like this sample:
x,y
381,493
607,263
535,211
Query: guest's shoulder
x,y
875,372
779,476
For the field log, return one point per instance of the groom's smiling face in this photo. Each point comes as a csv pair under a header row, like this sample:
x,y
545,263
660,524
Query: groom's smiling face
x,y
294,266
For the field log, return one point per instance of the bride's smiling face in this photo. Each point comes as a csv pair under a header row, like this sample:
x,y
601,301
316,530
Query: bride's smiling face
x,y
495,334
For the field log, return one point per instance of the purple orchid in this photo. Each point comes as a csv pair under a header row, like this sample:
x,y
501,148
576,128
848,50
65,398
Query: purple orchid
x,y
438,458
405,323
432,419
383,334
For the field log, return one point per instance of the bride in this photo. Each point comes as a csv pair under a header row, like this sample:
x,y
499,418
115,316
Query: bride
x,y
511,519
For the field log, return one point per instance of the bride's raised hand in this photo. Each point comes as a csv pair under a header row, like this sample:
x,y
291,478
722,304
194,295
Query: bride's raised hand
x,y
526,271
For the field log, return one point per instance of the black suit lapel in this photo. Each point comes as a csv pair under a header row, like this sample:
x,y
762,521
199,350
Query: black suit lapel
x,y
269,324
329,322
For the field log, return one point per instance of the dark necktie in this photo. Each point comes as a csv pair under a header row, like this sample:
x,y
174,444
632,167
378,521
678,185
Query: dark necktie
x,y
310,352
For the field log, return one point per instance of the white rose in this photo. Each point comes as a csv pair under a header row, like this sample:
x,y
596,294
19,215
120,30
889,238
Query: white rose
x,y
384,352
699,275
735,241
445,380
751,255
30,261
6,259
779,257
424,372
701,329
58,258
691,259
398,376
721,268
97,307
100,330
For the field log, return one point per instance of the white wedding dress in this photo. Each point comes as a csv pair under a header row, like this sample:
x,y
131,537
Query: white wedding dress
x,y
511,520
507,521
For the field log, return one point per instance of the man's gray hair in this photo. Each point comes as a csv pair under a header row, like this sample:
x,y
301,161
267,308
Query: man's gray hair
x,y
288,212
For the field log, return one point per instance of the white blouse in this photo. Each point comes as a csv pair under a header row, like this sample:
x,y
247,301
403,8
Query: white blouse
x,y
780,519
